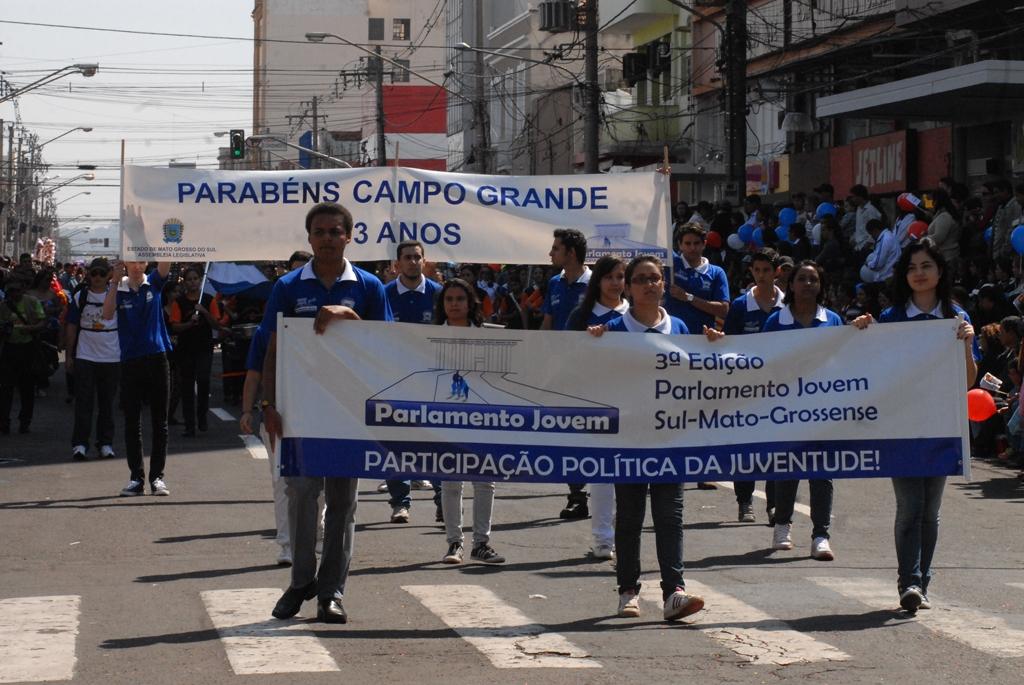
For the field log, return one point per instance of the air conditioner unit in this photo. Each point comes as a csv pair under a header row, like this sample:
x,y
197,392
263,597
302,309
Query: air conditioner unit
x,y
634,67
611,79
557,16
985,166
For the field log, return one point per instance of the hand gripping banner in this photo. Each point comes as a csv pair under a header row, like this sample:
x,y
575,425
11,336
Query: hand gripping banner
x,y
379,400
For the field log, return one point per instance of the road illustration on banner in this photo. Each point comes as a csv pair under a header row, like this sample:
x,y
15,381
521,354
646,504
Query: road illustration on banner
x,y
472,385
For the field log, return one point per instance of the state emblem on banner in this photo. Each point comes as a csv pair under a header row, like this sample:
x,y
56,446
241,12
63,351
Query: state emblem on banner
x,y
174,231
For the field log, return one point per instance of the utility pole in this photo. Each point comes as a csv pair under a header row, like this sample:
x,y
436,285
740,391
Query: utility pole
x,y
591,137
735,52
316,134
480,105
382,148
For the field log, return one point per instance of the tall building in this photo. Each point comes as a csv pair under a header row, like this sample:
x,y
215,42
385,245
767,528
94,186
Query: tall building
x,y
337,79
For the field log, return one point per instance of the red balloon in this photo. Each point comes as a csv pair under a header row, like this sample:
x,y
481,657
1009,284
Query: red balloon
x,y
713,240
917,229
980,405
907,202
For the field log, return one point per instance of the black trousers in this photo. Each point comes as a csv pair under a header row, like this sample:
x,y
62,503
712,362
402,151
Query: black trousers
x,y
96,387
194,367
15,372
145,377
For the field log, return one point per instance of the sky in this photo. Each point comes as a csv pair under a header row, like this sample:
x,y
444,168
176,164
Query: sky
x,y
165,96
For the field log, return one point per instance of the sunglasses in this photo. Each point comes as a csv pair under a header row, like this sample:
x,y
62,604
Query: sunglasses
x,y
98,272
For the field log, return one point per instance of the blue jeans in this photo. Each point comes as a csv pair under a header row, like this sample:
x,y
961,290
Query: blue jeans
x,y
917,527
399,492
821,504
667,514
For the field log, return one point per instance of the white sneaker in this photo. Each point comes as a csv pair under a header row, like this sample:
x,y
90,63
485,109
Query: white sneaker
x,y
912,599
679,604
399,515
821,550
781,538
629,604
107,452
603,552
383,487
78,452
159,487
422,485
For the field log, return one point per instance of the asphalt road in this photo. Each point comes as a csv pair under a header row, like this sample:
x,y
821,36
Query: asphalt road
x,y
102,589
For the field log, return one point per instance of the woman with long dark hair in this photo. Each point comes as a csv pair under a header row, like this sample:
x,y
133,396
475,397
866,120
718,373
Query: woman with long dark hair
x,y
922,291
803,309
458,306
602,302
646,288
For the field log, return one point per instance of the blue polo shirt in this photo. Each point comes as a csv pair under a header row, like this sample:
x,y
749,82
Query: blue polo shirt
x,y
257,349
414,305
783,320
706,281
301,294
746,316
912,313
669,325
140,318
562,297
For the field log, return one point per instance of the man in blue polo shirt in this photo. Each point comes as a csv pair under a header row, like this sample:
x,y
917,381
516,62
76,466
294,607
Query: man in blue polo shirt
x,y
133,297
326,289
565,292
411,297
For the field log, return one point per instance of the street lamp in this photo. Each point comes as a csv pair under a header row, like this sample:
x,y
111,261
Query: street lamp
x,y
544,62
82,192
86,129
86,70
68,235
88,177
65,222
257,137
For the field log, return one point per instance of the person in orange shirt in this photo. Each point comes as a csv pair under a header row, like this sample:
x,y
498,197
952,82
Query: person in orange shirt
x,y
194,318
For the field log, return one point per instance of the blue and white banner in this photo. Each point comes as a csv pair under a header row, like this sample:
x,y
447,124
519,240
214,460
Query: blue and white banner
x,y
380,401
199,215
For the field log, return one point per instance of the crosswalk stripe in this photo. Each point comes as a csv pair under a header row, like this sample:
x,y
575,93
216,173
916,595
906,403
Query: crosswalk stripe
x,y
749,632
256,448
37,638
221,414
979,630
502,633
256,643
760,494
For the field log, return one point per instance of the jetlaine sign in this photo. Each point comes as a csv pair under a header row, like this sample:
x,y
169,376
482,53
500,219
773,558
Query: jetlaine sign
x,y
198,215
379,400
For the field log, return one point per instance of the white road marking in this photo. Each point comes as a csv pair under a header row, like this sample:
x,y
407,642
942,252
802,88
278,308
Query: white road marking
x,y
257,643
502,633
798,507
37,638
222,414
749,632
255,446
983,631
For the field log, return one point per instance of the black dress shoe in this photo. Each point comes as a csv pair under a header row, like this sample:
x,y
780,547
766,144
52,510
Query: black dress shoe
x,y
292,599
331,611
575,510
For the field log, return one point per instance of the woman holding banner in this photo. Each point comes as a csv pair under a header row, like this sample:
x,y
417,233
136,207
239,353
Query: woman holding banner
x,y
646,290
803,309
458,305
922,291
602,302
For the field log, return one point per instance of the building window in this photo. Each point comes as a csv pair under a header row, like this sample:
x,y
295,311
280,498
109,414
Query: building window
x,y
401,75
400,29
376,31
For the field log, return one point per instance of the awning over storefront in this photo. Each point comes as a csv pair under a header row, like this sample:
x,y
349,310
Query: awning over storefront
x,y
991,90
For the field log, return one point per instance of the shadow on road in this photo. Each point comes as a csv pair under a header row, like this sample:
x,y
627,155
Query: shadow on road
x,y
206,573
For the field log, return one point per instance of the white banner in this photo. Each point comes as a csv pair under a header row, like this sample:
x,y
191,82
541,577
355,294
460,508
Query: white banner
x,y
381,400
197,215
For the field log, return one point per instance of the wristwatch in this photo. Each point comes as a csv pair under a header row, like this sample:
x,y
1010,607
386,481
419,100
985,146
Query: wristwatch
x,y
266,403
689,297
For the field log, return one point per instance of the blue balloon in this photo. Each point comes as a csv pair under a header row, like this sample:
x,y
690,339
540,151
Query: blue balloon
x,y
782,232
746,232
825,209
787,216
758,237
988,235
1017,239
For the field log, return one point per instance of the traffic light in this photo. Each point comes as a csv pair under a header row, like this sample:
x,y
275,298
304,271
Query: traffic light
x,y
237,143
